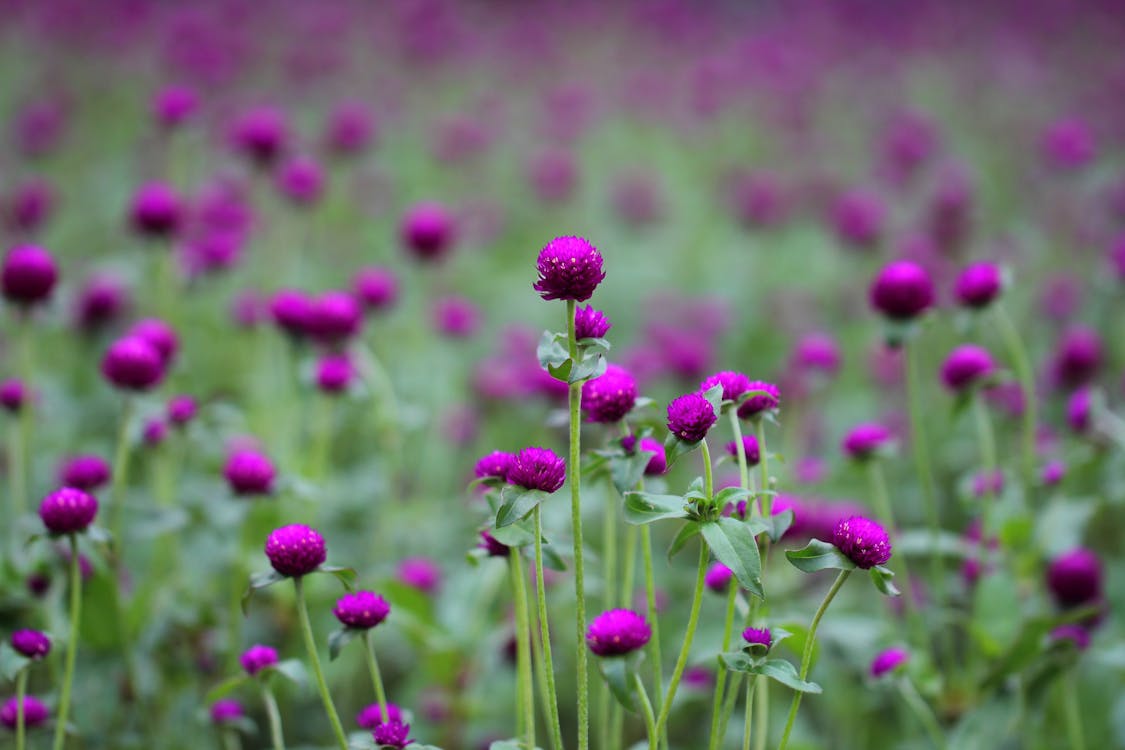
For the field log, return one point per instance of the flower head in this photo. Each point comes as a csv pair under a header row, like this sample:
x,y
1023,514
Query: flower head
x,y
590,323
763,402
862,541
376,288
750,450
456,317
903,290
173,105
610,396
35,712
159,335
261,134
1075,577
888,660
690,417
865,440
1078,408
372,715
301,180
31,643
538,469
492,545
392,733
617,632
1078,357
156,210
734,384
760,636
966,366
350,128
570,268
68,510
292,312
978,285
1076,634
858,217
100,301
658,464
1053,473
420,573
496,464
296,550
28,275
817,352
361,610
428,231
717,577
334,373
13,395
154,432
1068,144
334,316
181,409
226,710
249,472
85,472
256,658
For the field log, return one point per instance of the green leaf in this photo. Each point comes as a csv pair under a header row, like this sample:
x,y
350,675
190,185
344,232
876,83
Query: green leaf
x,y
561,371
340,638
733,544
779,524
552,560
507,745
552,350
731,495
12,662
515,535
687,532
346,576
292,670
588,369
226,687
784,672
738,661
99,535
674,448
996,612
883,579
259,581
714,396
645,507
595,345
627,471
516,503
818,555
619,674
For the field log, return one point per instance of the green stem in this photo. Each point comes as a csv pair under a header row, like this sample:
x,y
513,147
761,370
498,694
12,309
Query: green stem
x,y
1022,365
545,636
274,717
988,462
708,471
314,660
21,691
766,502
646,709
743,468
120,479
728,703
751,683
689,636
17,476
922,711
231,740
376,676
761,731
629,576
322,437
574,466
609,596
1069,686
721,677
806,656
652,615
525,698
765,499
71,644
882,501
540,673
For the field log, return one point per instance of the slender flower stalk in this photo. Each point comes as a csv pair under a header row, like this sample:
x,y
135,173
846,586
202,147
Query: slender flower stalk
x,y
274,717
689,636
373,670
525,698
646,710
652,615
21,691
923,712
761,728
314,659
806,656
545,637
988,462
1069,687
574,401
751,683
766,503
882,500
120,478
721,678
71,644
609,596
1022,364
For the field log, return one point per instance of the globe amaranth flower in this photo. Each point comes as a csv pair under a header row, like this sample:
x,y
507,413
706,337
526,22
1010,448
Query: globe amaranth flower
x,y
537,468
1068,144
292,312
656,465
570,268
1076,634
249,472
13,395
100,301
734,384
456,317
1053,473
334,316
617,632
428,231
256,658
717,577
966,366
226,710
296,550
690,417
865,440
376,288
361,610
68,510
30,206
181,410
159,335
350,129
261,134
28,275
902,290
750,450
888,660
392,733
610,396
31,643
88,472
301,180
759,636
858,218
978,285
1078,357
862,541
1075,577
156,210
1078,410
35,712
372,716
768,400
590,323
334,373
154,432
492,546
420,573
173,105
496,464
817,352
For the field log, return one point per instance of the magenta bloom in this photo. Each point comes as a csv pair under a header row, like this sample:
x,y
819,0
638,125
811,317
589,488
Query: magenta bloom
x,y
759,636
978,285
68,510
156,210
334,317
764,402
734,384
750,449
1053,473
456,317
301,180
537,468
372,715
428,231
101,300
862,541
1068,144
817,351
159,335
226,710
181,410
888,661
497,464
85,472
133,364
590,323
420,573
658,464
1078,357
296,550
690,417
172,106
35,712
570,268
1074,633
1075,577
256,658
13,395
392,733
903,290
28,275
154,432
261,134
334,373
858,218
376,288
292,311
717,577
492,545
350,129
610,396
553,175
1078,410
249,472
31,643
361,610
617,632
864,440
30,206
966,366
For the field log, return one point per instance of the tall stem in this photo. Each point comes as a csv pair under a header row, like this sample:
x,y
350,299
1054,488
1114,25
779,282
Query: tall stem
x,y
743,467
708,471
884,508
274,717
751,683
525,699
646,709
71,644
1069,688
689,636
762,729
652,615
21,691
609,596
574,467
120,478
766,502
376,676
545,636
922,711
806,656
765,499
629,575
1022,365
988,463
721,677
314,660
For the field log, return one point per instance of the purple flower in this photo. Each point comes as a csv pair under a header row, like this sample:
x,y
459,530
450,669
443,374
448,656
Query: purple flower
x,y
334,317
1076,634
292,311
428,231
1053,473
156,210
296,550
31,205
68,510
610,396
734,384
817,351
865,440
361,610
350,129
903,290
690,417
372,716
159,336
256,658
420,573
755,405
28,275
862,541
492,546
1075,577
590,323
376,288
1078,408
658,464
456,317
553,175
226,710
617,632
172,106
181,410
570,268
35,712
1068,144
1078,357
334,372
85,472
759,636
888,660
978,285
717,577
858,217
249,472
966,366
31,643
537,468
261,134
497,464
155,430
13,395
392,733
760,200
301,180
750,449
